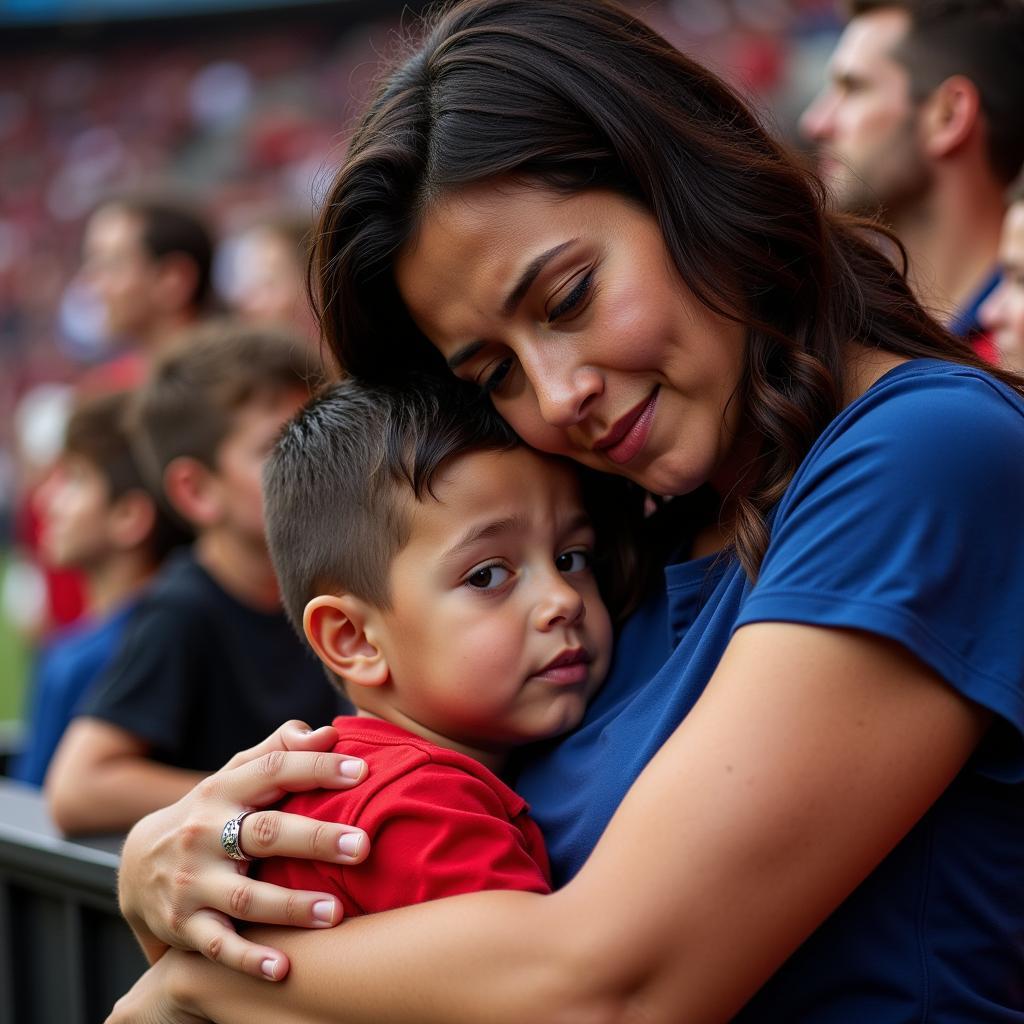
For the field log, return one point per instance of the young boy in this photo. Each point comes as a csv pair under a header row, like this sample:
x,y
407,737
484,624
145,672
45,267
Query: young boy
x,y
444,572
98,517
209,663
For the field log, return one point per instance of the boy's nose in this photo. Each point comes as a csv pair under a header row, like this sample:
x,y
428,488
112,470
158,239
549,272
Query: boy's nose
x,y
561,604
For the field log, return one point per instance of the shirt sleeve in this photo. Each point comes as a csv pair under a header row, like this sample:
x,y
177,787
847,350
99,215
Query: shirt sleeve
x,y
905,521
147,688
438,831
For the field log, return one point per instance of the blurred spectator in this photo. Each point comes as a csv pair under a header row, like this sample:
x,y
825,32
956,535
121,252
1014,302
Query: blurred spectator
x,y
148,260
37,598
920,121
209,663
98,517
265,276
1002,313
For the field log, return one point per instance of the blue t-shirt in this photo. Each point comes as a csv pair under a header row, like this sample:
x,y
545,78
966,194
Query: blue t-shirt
x,y
66,667
904,520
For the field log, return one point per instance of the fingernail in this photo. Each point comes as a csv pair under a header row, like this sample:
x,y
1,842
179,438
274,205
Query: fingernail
x,y
323,910
350,844
269,968
352,769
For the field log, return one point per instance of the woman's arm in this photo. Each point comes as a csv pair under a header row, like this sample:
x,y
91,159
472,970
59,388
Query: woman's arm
x,y
810,754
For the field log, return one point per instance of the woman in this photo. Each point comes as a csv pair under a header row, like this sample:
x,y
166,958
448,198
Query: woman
x,y
554,203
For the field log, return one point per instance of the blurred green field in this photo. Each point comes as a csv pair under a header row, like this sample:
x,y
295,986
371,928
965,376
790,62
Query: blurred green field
x,y
14,663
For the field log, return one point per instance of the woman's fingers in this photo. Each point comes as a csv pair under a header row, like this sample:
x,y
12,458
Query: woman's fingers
x,y
213,936
276,834
293,735
267,777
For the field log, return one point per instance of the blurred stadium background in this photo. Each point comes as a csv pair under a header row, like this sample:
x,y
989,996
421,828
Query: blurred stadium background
x,y
243,105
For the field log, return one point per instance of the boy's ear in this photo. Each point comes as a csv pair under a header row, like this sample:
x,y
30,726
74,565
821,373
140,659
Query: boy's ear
x,y
191,488
336,628
132,518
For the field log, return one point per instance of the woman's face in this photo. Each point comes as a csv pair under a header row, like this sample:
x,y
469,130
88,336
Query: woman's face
x,y
570,312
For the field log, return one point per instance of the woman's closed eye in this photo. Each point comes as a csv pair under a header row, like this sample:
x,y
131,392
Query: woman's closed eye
x,y
496,377
574,303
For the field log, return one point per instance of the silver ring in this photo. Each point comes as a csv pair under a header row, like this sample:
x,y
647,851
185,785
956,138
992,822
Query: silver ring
x,y
229,837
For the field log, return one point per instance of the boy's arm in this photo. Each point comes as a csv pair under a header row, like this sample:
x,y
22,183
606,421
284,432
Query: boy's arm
x,y
101,779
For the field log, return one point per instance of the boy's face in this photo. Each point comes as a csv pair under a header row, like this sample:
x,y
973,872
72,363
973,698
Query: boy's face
x,y
496,634
240,459
75,507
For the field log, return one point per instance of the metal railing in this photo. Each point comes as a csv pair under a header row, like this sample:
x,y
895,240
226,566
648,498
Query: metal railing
x,y
65,953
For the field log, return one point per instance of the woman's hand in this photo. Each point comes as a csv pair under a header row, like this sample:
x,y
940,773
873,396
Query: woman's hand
x,y
151,999
179,888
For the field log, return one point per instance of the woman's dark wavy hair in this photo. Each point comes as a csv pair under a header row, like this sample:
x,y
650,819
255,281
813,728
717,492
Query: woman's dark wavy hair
x,y
580,94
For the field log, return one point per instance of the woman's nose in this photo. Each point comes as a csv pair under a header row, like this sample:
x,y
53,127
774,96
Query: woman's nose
x,y
565,393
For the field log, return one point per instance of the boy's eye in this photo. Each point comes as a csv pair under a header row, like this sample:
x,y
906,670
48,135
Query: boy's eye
x,y
573,561
489,577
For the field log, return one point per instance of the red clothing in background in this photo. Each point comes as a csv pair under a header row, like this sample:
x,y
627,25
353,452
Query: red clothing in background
x,y
439,824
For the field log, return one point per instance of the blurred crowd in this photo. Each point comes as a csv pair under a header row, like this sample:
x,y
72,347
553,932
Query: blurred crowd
x,y
156,202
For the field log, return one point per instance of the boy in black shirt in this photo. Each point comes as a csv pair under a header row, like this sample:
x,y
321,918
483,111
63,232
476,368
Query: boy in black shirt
x,y
209,664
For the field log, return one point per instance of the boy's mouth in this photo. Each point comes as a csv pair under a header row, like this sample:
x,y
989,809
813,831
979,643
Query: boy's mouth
x,y
570,667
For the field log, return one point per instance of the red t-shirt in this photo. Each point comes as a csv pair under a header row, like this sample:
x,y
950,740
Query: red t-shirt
x,y
439,824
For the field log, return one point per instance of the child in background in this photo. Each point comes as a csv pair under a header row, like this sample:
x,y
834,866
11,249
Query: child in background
x,y
444,572
98,517
209,662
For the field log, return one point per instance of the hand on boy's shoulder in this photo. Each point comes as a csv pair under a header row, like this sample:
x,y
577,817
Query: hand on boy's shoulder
x,y
439,824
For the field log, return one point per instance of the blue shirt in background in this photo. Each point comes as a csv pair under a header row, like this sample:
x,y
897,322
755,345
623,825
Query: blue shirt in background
x,y
65,669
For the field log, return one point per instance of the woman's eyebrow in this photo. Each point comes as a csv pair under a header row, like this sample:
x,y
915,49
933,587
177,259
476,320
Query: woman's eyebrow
x,y
522,286
529,275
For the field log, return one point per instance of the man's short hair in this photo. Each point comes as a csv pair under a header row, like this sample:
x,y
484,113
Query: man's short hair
x,y
336,489
195,389
980,39
171,226
98,431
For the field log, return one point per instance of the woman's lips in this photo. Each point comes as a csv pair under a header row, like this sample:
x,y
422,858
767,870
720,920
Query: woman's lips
x,y
629,435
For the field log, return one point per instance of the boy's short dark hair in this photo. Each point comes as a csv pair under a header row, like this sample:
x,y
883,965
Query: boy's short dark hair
x,y
333,488
98,432
980,39
195,389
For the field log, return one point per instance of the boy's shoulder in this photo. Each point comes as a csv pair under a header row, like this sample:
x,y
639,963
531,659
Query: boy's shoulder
x,y
405,767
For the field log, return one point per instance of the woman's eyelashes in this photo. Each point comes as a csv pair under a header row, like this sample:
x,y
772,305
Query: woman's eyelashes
x,y
567,309
492,381
573,303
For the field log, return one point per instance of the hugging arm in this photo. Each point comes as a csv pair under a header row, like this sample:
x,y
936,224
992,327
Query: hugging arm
x,y
808,757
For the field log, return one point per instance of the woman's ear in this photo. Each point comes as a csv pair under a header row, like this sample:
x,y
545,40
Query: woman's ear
x,y
336,628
